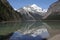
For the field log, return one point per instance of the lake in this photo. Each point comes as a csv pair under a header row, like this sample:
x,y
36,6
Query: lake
x,y
24,27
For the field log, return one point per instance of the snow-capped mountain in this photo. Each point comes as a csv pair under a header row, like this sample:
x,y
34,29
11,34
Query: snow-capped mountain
x,y
32,12
34,8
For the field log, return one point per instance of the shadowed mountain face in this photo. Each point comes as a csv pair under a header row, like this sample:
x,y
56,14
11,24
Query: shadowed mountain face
x,y
30,15
53,11
7,13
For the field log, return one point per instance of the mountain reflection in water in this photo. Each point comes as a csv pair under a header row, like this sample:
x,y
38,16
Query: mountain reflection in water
x,y
28,27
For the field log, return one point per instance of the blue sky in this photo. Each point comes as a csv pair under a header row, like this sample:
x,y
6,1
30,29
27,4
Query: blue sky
x,y
21,3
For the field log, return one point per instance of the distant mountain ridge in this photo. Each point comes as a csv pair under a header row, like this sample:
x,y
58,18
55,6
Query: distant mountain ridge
x,y
33,8
32,12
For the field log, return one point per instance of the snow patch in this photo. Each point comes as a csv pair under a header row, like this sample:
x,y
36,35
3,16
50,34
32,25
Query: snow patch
x,y
34,8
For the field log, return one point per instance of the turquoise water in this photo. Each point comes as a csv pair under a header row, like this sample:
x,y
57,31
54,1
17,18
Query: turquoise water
x,y
9,27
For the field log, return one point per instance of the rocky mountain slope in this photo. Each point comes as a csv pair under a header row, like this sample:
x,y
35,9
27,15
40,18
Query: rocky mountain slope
x,y
32,12
7,13
53,12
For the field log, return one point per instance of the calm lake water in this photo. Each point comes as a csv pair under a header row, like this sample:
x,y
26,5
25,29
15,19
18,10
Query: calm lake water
x,y
53,27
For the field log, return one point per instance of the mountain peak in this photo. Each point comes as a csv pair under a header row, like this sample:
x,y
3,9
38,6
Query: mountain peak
x,y
34,8
33,5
